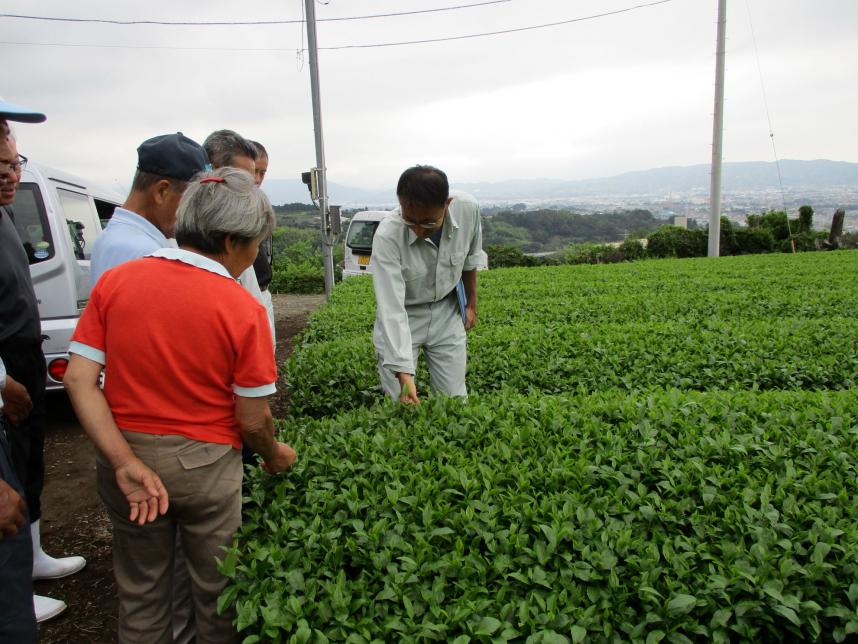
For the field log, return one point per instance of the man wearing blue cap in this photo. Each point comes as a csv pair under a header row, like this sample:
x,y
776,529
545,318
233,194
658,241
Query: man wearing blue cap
x,y
147,219
20,354
141,226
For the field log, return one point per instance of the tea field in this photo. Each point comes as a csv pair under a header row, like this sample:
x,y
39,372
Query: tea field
x,y
662,451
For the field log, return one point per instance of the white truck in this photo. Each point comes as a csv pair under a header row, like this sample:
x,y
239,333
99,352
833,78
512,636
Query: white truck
x,y
357,256
58,217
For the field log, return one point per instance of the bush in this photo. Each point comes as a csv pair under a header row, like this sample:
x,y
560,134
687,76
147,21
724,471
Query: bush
x,y
593,254
777,222
674,241
508,256
633,250
753,240
805,219
710,517
847,240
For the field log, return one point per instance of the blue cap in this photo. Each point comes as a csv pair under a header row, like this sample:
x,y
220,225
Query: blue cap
x,y
172,155
12,112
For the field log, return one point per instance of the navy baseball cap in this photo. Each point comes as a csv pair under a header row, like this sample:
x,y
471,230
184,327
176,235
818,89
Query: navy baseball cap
x,y
12,112
172,155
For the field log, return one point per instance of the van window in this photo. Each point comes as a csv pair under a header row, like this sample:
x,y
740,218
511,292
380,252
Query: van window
x,y
105,210
360,235
79,211
31,220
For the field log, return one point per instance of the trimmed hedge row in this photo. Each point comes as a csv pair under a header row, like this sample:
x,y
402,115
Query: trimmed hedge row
x,y
645,517
816,285
328,377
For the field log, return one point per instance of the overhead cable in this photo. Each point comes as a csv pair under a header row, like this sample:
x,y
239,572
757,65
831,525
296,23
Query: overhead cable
x,y
362,46
503,31
233,23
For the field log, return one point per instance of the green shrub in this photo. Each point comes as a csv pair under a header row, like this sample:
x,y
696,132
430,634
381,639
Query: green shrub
x,y
654,516
508,256
674,241
633,250
753,240
593,254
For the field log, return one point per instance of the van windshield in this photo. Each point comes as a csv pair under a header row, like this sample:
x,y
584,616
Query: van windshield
x,y
31,221
360,235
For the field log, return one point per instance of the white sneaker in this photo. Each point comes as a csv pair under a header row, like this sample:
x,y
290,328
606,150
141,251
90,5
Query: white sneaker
x,y
45,566
47,608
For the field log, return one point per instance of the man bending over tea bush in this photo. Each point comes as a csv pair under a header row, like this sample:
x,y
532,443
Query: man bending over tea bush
x,y
420,253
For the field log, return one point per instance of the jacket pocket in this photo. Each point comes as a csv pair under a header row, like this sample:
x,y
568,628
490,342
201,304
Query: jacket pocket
x,y
457,261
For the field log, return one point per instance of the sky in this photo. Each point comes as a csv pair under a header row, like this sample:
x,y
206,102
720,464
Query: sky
x,y
590,98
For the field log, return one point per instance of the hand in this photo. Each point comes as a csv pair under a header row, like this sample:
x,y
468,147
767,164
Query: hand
x,y
282,460
409,389
16,401
13,511
471,314
143,490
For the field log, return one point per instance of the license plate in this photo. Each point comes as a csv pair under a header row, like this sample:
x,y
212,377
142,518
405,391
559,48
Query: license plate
x,y
363,260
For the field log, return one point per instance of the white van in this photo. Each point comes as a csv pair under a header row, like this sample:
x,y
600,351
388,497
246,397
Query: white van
x,y
358,244
58,217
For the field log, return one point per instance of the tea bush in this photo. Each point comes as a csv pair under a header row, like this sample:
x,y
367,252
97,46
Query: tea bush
x,y
758,322
644,517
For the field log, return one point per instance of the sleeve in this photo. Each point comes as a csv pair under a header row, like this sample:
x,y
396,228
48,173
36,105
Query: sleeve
x,y
392,334
255,370
477,257
88,339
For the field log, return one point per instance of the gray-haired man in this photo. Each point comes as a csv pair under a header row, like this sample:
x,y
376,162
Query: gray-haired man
x,y
229,148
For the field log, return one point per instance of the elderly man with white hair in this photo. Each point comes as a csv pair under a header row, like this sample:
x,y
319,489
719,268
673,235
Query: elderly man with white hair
x,y
169,423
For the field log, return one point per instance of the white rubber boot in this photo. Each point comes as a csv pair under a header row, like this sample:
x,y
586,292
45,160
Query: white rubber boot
x,y
47,608
46,567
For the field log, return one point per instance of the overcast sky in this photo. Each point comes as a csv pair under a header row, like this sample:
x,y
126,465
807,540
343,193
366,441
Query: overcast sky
x,y
591,98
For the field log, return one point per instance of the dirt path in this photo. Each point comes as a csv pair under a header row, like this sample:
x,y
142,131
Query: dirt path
x,y
74,522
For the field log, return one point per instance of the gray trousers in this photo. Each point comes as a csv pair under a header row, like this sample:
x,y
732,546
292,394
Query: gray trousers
x,y
437,328
204,484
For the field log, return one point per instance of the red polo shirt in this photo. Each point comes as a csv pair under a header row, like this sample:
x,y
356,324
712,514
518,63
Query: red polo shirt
x,y
178,337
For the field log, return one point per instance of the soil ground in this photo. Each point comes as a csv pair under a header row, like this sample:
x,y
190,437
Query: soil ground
x,y
74,521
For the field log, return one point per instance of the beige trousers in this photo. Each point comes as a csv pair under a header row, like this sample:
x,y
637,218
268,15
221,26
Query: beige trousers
x,y
203,481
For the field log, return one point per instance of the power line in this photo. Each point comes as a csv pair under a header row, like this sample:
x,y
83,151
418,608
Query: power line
x,y
193,23
363,46
504,31
768,114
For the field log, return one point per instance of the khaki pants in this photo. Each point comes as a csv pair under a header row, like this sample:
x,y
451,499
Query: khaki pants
x,y
203,481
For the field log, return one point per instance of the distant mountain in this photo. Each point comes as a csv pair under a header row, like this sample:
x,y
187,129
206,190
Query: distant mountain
x,y
737,177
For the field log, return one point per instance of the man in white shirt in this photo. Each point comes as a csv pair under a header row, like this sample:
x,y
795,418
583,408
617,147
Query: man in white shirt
x,y
419,254
148,217
229,148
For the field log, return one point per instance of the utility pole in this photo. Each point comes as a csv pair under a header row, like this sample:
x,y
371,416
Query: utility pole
x,y
328,234
717,136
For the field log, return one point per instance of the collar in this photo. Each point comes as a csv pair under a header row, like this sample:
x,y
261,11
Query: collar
x,y
193,259
130,218
454,224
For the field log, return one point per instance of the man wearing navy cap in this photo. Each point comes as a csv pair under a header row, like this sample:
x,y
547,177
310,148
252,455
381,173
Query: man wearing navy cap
x,y
147,219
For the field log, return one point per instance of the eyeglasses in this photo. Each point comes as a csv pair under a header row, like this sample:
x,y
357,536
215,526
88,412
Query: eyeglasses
x,y
426,225
15,166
